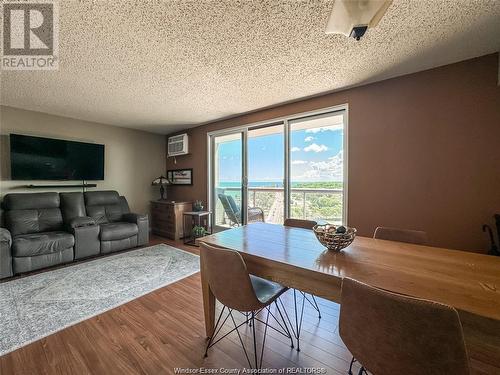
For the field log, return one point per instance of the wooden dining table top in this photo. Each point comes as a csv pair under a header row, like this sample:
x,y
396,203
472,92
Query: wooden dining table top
x,y
464,280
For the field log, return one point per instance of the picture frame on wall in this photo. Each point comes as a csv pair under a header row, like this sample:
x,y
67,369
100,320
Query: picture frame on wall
x,y
180,176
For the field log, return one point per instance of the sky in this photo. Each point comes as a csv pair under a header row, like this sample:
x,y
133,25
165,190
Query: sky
x,y
316,155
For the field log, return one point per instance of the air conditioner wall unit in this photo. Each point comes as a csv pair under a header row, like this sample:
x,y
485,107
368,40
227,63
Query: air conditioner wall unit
x,y
178,145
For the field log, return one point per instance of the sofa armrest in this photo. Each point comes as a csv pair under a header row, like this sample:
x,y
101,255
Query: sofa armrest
x,y
86,233
5,236
5,254
134,218
142,222
82,221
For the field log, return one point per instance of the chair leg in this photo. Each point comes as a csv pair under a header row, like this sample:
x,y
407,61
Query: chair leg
x,y
289,321
215,331
316,306
350,366
298,324
212,341
253,318
312,302
239,336
361,371
254,339
264,339
284,324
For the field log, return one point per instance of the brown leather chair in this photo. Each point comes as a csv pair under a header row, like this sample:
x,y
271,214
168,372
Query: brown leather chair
x,y
304,224
390,333
416,237
237,290
300,223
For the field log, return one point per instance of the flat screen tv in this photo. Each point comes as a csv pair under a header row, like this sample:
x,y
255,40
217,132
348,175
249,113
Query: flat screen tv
x,y
36,158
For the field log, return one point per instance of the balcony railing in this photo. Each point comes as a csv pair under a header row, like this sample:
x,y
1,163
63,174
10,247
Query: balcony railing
x,y
305,203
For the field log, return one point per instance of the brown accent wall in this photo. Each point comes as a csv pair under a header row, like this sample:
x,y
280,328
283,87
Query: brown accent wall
x,y
424,151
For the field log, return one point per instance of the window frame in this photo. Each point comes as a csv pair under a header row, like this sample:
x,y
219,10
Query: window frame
x,y
344,108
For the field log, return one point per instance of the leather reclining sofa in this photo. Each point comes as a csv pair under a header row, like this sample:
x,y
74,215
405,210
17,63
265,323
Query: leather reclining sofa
x,y
46,229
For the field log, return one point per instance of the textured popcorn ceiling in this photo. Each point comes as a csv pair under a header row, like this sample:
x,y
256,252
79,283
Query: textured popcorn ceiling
x,y
164,65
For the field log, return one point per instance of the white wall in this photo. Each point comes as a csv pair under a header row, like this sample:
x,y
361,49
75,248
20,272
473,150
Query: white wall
x,y
133,158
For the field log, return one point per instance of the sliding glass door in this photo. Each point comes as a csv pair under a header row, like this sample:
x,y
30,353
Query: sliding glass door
x,y
294,167
266,173
227,180
317,167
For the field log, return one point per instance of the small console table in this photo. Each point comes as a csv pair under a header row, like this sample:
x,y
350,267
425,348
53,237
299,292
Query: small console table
x,y
195,218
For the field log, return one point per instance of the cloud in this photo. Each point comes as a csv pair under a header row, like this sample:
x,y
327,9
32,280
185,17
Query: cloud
x,y
315,148
324,129
329,170
298,162
308,139
295,149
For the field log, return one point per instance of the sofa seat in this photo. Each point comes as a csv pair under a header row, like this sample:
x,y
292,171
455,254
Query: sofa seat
x,y
118,231
28,245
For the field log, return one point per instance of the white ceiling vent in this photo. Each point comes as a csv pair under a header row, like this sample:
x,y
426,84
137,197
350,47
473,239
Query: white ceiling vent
x,y
178,145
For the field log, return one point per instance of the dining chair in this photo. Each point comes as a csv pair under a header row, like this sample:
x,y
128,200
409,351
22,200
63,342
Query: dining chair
x,y
389,333
239,291
304,224
416,237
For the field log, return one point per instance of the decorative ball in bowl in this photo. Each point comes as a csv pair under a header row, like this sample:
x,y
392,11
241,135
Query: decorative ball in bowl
x,y
334,237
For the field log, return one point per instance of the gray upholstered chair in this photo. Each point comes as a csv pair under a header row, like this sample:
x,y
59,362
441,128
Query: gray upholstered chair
x,y
36,225
119,228
233,212
417,237
236,290
390,333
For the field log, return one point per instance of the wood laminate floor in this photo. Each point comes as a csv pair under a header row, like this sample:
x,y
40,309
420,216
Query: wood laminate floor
x,y
164,330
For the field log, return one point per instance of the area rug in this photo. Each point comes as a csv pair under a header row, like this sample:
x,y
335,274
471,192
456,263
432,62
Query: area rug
x,y
36,306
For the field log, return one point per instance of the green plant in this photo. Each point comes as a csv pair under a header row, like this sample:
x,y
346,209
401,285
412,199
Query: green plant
x,y
198,231
198,205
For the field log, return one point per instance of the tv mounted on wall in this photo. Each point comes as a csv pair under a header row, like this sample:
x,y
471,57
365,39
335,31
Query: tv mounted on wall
x,y
36,158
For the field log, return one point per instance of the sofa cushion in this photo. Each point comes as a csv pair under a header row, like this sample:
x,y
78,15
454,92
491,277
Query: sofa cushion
x,y
33,221
72,205
98,213
27,245
30,201
118,231
32,212
104,206
101,198
105,214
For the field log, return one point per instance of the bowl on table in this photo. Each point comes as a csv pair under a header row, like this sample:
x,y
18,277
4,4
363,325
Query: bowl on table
x,y
334,237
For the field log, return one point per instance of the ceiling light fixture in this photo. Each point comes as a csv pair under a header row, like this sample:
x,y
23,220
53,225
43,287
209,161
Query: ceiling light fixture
x,y
353,17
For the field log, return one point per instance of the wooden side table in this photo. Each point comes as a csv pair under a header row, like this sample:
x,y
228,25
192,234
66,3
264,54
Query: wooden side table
x,y
167,218
195,218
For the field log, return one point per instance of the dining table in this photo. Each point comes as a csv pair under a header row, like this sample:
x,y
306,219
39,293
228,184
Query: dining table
x,y
468,281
